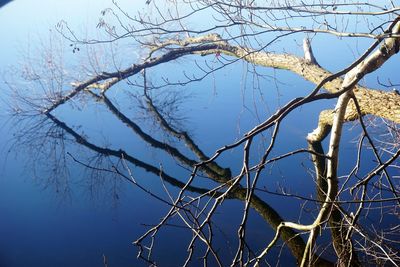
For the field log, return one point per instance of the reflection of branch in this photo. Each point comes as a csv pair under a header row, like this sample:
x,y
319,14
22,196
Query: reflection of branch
x,y
294,242
224,172
114,170
343,247
123,155
155,143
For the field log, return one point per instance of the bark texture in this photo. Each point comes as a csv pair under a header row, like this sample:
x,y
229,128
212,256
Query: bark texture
x,y
370,100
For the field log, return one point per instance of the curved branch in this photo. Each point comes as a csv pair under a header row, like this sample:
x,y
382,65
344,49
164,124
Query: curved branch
x,y
369,99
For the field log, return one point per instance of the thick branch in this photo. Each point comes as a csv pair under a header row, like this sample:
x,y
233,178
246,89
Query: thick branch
x,y
368,65
370,100
308,52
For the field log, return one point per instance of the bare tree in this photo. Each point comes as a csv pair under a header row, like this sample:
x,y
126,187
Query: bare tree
x,y
257,34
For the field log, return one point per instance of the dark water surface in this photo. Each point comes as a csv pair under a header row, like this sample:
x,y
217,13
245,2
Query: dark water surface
x,y
56,216
41,225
